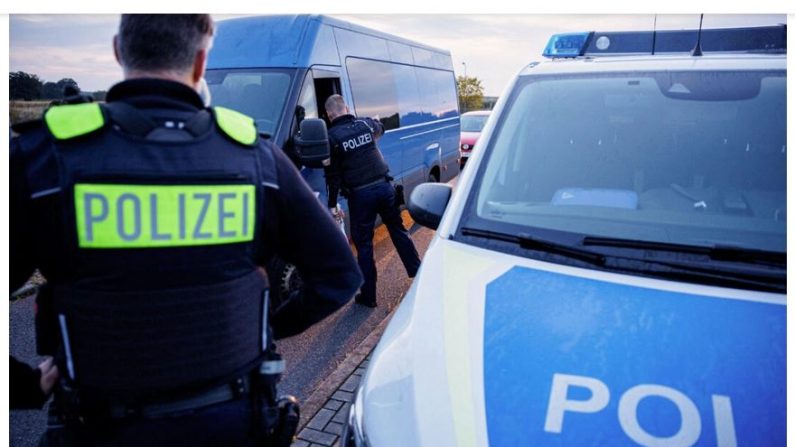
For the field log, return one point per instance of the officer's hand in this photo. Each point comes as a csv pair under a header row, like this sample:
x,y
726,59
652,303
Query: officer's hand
x,y
49,375
337,213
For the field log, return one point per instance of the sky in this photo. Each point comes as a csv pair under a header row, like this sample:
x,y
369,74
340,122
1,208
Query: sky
x,y
491,47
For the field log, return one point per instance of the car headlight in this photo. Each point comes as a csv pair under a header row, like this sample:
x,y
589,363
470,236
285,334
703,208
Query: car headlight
x,y
353,434
466,147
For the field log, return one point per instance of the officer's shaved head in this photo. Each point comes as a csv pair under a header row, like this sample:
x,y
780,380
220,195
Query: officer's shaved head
x,y
335,106
152,43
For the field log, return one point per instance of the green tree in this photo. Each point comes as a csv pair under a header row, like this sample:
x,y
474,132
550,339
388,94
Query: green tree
x,y
55,90
23,85
50,91
470,93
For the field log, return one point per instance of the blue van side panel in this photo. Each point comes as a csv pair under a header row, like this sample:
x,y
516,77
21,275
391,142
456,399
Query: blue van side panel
x,y
400,53
422,57
361,45
442,60
250,42
428,145
324,50
305,40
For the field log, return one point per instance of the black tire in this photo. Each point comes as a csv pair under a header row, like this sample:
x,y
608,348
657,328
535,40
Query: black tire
x,y
284,279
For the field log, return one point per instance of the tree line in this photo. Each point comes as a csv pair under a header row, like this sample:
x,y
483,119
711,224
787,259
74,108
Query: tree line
x,y
470,93
28,87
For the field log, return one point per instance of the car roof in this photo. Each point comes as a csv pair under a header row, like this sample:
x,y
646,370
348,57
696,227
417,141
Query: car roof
x,y
679,62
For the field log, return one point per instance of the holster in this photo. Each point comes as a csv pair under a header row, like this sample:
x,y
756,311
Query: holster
x,y
276,419
66,404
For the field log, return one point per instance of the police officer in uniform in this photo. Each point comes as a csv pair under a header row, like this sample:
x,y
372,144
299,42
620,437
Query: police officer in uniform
x,y
358,168
150,217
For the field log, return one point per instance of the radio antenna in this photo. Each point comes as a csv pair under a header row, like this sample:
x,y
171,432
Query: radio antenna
x,y
697,49
654,35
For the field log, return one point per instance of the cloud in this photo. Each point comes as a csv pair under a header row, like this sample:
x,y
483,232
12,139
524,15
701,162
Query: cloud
x,y
92,66
62,30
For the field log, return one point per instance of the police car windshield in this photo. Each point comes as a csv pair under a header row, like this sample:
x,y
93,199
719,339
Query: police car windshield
x,y
689,158
258,93
473,123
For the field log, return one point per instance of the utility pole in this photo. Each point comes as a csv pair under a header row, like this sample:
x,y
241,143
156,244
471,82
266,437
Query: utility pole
x,y
465,68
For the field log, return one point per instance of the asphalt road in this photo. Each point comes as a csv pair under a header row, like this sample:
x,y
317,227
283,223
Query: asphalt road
x,y
310,356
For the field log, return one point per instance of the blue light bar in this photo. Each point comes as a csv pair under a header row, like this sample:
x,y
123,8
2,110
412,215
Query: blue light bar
x,y
763,39
566,45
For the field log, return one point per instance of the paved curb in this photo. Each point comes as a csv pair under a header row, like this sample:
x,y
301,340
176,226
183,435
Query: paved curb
x,y
328,387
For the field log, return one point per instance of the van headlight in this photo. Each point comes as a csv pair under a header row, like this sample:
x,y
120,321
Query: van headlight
x,y
353,434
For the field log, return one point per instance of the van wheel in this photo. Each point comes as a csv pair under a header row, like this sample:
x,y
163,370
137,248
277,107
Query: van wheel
x,y
284,279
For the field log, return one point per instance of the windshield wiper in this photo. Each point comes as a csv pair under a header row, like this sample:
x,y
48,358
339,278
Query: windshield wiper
x,y
698,272
716,252
535,243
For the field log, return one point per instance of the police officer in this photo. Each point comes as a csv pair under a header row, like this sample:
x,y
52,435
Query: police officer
x,y
358,168
150,217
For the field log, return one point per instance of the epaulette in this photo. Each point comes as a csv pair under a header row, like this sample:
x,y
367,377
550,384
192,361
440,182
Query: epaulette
x,y
74,120
235,125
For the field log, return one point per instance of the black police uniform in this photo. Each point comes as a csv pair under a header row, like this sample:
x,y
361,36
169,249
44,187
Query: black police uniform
x,y
358,168
150,217
25,390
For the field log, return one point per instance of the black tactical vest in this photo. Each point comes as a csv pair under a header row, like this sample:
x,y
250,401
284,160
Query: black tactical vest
x,y
158,288
361,161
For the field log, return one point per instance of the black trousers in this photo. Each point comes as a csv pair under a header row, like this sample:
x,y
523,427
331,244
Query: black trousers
x,y
364,205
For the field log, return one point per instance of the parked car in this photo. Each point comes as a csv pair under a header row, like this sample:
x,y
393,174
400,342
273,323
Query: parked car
x,y
471,125
611,269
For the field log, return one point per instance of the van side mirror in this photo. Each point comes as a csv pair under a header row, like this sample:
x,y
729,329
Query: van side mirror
x,y
428,202
312,143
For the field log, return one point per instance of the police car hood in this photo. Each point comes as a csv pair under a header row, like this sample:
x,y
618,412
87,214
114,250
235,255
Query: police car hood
x,y
493,349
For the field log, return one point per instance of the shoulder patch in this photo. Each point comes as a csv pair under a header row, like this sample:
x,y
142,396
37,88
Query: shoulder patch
x,y
236,125
74,120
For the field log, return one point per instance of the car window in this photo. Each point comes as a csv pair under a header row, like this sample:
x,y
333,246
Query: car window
x,y
690,158
473,123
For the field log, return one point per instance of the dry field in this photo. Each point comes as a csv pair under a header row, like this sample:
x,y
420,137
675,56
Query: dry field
x,y
25,110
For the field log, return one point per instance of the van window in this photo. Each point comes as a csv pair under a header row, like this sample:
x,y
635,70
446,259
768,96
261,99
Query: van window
x,y
260,94
401,95
308,100
374,91
408,95
437,88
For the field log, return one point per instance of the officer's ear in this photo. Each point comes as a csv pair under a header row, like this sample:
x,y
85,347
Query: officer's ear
x,y
116,49
199,64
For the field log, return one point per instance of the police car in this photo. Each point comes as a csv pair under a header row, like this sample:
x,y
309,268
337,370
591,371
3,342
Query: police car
x,y
612,268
